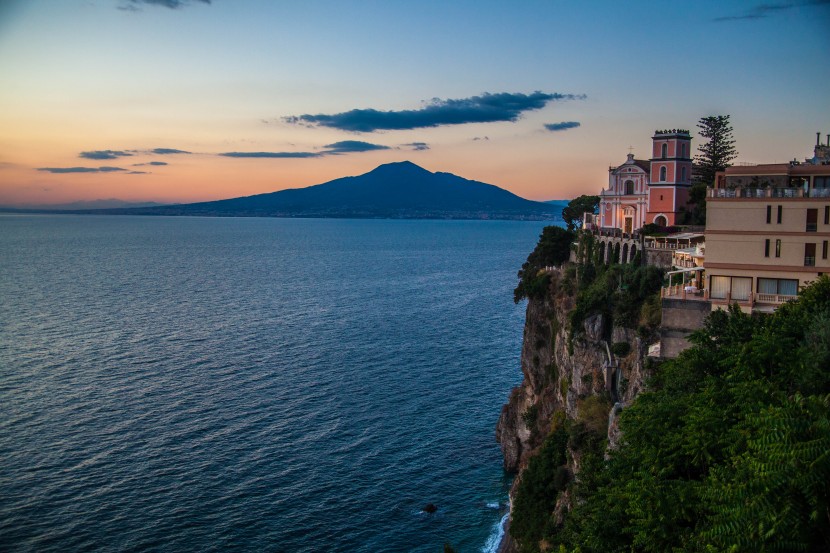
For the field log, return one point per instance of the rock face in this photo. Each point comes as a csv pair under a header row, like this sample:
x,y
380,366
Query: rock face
x,y
559,375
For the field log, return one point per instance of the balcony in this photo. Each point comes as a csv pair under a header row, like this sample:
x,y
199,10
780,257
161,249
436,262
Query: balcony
x,y
768,193
812,227
809,261
773,298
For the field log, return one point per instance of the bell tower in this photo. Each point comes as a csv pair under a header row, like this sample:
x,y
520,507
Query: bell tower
x,y
671,176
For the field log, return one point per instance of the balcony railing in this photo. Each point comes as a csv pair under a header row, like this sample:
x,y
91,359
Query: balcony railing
x,y
773,298
769,193
809,261
812,227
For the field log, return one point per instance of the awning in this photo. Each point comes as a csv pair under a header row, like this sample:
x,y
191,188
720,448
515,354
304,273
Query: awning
x,y
687,270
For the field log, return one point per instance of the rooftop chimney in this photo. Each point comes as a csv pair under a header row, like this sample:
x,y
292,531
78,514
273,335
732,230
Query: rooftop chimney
x,y
818,139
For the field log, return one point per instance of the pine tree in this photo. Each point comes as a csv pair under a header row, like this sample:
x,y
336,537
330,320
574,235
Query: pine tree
x,y
716,154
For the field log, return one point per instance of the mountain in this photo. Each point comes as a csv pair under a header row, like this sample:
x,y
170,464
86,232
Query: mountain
x,y
110,203
395,190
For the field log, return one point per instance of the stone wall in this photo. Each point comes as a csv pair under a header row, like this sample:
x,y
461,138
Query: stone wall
x,y
680,318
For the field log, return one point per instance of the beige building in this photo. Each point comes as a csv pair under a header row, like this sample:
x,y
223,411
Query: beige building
x,y
767,232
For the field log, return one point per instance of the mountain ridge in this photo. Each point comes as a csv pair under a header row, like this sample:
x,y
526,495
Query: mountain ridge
x,y
401,190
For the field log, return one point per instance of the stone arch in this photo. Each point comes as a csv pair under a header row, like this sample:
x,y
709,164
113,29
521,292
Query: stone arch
x,y
633,251
661,221
602,252
629,187
664,151
663,174
624,258
615,257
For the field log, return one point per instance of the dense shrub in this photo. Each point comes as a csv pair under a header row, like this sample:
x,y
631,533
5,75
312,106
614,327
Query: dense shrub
x,y
621,349
553,249
537,492
727,451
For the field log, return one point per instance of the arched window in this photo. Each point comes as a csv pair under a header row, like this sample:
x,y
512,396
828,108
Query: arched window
x,y
665,151
682,174
682,150
629,187
662,174
660,221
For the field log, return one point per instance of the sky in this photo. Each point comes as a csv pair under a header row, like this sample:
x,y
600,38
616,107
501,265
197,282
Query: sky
x,y
193,100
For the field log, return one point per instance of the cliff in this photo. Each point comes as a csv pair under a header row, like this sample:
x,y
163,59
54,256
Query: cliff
x,y
569,381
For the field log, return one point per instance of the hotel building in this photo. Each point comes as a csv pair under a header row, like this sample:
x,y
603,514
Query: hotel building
x,y
767,231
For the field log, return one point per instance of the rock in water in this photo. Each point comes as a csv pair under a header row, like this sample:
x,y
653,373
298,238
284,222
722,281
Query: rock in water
x,y
430,508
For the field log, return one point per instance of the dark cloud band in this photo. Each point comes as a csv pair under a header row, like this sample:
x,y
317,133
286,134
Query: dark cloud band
x,y
336,148
167,151
762,11
562,126
104,154
81,169
487,108
172,4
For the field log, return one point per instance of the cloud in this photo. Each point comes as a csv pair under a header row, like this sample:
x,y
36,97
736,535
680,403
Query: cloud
x,y
351,146
280,155
481,138
80,169
150,163
487,108
104,154
172,4
418,146
138,173
336,148
166,151
765,10
562,126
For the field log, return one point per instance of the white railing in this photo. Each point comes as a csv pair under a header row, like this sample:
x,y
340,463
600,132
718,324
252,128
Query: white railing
x,y
769,193
773,298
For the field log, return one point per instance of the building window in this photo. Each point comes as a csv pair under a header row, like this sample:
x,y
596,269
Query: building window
x,y
683,150
682,174
664,151
629,187
662,174
809,255
778,286
780,210
827,215
769,214
812,220
766,247
824,250
732,288
778,248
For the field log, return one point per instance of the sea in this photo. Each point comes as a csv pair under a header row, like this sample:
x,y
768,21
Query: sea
x,y
255,384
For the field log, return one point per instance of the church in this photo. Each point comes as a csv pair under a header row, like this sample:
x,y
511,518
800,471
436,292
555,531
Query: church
x,y
649,191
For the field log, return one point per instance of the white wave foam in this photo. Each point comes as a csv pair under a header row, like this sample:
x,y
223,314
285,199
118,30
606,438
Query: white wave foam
x,y
493,505
494,540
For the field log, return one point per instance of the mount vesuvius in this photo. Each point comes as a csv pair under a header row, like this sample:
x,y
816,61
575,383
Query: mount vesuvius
x,y
400,190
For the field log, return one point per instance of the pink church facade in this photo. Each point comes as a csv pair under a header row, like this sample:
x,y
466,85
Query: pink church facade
x,y
649,191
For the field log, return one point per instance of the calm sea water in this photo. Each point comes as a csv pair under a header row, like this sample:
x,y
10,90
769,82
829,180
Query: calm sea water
x,y
196,384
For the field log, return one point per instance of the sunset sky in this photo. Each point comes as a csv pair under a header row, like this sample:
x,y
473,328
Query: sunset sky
x,y
178,101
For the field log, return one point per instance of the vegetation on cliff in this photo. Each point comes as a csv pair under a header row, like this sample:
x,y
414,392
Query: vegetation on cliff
x,y
728,450
553,249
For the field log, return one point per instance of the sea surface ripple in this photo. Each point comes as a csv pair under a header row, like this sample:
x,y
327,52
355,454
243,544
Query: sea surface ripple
x,y
201,384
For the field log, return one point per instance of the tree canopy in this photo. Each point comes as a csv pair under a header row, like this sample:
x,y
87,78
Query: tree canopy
x,y
717,153
729,450
572,213
553,249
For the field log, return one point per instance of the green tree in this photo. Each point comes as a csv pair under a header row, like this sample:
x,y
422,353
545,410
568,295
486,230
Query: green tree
x,y
553,249
729,450
717,153
572,214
